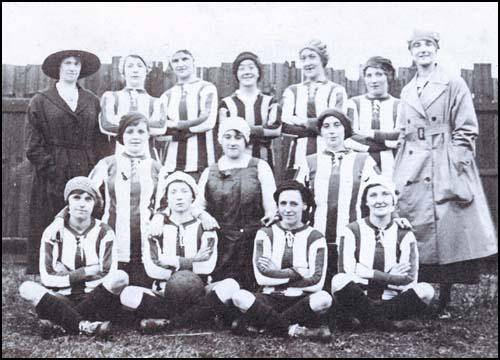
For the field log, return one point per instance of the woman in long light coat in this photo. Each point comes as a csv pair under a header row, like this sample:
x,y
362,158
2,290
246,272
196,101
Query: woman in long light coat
x,y
439,187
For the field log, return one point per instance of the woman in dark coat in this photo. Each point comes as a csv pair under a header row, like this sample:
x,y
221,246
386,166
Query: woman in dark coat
x,y
62,138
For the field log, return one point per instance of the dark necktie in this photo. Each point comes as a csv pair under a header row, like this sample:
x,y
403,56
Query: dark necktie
x,y
79,256
376,290
182,144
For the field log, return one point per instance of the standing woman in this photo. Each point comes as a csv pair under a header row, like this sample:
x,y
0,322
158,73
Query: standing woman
x,y
62,138
374,115
302,103
336,176
190,108
435,173
237,192
130,179
260,111
133,97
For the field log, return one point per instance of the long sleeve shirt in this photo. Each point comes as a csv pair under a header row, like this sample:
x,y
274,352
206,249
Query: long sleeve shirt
x,y
63,261
357,249
303,248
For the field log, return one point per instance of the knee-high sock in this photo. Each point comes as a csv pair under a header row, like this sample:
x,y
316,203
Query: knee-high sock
x,y
264,315
354,300
60,312
152,307
300,312
99,304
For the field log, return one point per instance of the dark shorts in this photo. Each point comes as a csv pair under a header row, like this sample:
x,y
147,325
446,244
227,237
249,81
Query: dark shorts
x,y
280,302
401,307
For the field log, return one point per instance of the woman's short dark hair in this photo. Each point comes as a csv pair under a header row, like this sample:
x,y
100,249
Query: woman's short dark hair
x,y
132,118
305,193
346,122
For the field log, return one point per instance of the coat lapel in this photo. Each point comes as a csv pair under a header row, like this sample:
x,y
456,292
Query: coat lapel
x,y
52,94
438,83
412,97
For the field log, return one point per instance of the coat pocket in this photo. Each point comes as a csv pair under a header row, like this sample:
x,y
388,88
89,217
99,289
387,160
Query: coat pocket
x,y
455,183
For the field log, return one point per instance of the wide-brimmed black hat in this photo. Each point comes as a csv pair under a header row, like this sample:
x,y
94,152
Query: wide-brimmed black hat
x,y
90,63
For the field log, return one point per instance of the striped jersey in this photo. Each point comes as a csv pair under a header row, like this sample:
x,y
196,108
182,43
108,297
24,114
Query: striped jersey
x,y
59,257
358,245
337,181
261,113
130,186
190,150
180,242
115,104
307,101
380,115
303,248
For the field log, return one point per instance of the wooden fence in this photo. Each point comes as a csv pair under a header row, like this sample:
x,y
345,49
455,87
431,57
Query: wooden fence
x,y
19,83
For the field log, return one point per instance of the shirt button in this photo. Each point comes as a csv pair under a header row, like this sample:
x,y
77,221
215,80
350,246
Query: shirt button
x,y
410,152
428,179
241,230
409,121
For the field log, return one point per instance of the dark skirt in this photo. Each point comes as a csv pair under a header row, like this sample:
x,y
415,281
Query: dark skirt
x,y
462,272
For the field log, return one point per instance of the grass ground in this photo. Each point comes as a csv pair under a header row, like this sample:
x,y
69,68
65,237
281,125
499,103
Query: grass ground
x,y
471,332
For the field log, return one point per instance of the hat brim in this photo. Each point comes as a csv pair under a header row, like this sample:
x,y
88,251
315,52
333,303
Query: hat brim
x,y
90,63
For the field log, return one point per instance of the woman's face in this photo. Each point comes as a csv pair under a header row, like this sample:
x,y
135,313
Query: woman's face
x,y
376,82
333,133
70,69
290,208
179,197
247,73
80,205
379,200
311,64
135,138
424,52
233,144
183,65
135,72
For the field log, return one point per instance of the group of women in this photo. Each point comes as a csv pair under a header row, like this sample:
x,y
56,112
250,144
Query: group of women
x,y
174,200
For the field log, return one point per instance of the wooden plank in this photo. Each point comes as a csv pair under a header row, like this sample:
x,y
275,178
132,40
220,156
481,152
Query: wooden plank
x,y
281,78
495,90
467,75
116,77
31,80
339,77
226,81
20,81
482,83
43,80
155,84
8,80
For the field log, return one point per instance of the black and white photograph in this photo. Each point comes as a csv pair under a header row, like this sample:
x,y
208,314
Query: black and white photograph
x,y
254,179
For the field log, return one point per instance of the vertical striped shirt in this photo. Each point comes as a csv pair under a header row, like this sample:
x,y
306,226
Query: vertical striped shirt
x,y
128,204
358,243
379,115
189,150
262,113
58,257
301,101
115,104
181,242
337,183
291,249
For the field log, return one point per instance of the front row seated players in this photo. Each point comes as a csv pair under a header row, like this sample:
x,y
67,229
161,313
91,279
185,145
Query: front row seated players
x,y
289,261
80,282
182,246
378,267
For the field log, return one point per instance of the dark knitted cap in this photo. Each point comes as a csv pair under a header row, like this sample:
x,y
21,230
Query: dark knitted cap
x,y
338,115
246,55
